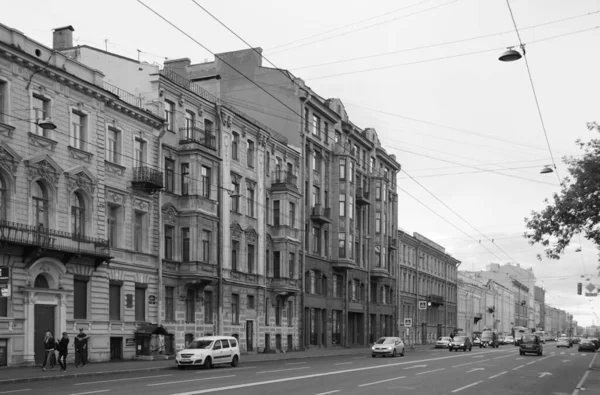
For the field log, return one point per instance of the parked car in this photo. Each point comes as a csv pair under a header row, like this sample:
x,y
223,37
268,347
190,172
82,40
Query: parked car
x,y
489,338
442,342
587,345
596,341
501,340
531,344
563,342
208,351
391,346
509,340
477,342
460,342
576,340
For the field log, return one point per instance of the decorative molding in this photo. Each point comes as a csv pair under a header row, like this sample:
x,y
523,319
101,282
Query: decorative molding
x,y
115,197
237,178
9,159
251,235
41,141
199,110
142,278
81,177
116,275
263,140
141,204
76,153
243,131
181,100
114,168
169,213
229,121
43,166
81,270
250,183
6,130
236,230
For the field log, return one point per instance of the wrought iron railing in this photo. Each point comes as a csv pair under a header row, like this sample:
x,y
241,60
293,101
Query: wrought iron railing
x,y
187,84
284,177
192,134
147,175
124,95
321,211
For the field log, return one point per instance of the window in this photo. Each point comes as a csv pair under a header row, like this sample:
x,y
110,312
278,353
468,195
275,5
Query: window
x,y
292,216
306,120
278,311
235,143
250,302
77,214
112,225
168,242
185,179
190,305
235,198
326,132
276,264
208,128
377,222
250,258
351,171
235,249
292,265
342,205
378,191
337,137
185,244
351,207
188,131
276,212
342,168
326,242
78,130
205,246
139,231
316,240
3,103
205,182
316,196
342,245
139,152
41,109
377,257
169,175
250,154
371,164
350,245
169,304
364,159
140,302
338,286
317,159
290,314
3,199
250,202
169,115
40,198
235,308
114,297
80,298
113,146
208,307
316,126
268,263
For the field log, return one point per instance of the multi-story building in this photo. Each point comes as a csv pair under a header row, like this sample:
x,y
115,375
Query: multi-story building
x,y
349,213
540,298
229,264
78,176
427,274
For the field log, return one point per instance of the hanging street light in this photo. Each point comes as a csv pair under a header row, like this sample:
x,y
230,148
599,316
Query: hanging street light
x,y
547,170
511,54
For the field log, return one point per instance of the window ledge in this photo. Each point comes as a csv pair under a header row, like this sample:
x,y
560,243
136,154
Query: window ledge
x,y
6,130
41,141
114,168
80,154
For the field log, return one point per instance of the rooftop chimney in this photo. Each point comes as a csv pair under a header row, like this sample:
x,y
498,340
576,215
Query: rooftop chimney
x,y
63,38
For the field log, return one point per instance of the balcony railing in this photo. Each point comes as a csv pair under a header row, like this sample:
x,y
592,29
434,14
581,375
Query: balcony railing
x,y
187,84
362,197
148,179
283,283
435,300
124,95
321,214
192,134
285,177
54,240
284,231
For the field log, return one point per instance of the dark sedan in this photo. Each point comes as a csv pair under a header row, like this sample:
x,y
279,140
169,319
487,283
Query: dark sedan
x,y
460,343
587,345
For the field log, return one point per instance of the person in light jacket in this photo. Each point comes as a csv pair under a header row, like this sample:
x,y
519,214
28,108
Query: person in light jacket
x,y
49,356
63,350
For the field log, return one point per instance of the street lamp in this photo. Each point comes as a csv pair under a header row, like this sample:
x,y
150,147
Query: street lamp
x,y
511,54
546,170
46,124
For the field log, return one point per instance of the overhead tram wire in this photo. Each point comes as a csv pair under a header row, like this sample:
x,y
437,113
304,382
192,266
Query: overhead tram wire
x,y
537,103
271,95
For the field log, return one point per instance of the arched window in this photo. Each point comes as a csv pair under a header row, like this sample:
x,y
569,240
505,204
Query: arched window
x,y
78,214
41,282
40,200
3,199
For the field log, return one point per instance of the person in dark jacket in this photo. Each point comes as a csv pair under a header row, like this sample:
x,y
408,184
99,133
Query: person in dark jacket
x,y
63,350
49,356
81,349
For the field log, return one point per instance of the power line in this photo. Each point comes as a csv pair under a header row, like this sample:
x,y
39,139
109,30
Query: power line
x,y
537,103
471,172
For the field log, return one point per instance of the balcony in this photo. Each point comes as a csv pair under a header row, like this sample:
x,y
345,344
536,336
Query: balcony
x,y
379,272
435,300
147,179
392,242
38,241
343,264
321,214
362,197
195,203
192,135
284,232
283,180
283,287
196,270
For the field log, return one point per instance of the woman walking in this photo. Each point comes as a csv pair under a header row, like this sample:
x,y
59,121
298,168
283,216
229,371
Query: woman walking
x,y
63,350
49,345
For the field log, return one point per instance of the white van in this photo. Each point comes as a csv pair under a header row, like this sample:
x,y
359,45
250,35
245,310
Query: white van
x,y
208,351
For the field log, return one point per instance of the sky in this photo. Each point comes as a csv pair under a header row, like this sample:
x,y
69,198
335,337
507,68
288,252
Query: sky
x,y
464,126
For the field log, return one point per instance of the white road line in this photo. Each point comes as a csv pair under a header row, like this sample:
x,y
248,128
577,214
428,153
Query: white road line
x,y
91,392
470,363
295,363
282,370
327,393
498,375
504,356
529,363
519,358
429,371
381,381
10,392
478,356
562,353
127,379
189,381
358,357
343,363
518,367
468,386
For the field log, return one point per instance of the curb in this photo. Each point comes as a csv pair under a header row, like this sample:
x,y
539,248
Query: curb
x,y
585,375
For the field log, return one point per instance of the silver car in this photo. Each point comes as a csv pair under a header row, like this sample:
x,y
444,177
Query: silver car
x,y
442,342
391,346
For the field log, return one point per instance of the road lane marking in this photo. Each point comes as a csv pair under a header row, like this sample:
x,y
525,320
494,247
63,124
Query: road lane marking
x,y
504,356
191,380
12,391
327,393
429,371
470,363
381,381
416,366
529,363
519,358
295,363
475,369
479,356
587,372
358,357
468,386
127,379
90,392
518,367
498,375
342,363
310,376
282,370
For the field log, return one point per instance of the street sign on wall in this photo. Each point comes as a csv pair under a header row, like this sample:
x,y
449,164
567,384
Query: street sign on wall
x,y
408,322
422,305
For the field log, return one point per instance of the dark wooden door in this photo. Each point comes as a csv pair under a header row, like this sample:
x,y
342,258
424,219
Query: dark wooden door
x,y
43,321
249,336
116,348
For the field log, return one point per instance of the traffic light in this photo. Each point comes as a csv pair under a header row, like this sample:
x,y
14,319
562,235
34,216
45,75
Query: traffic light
x,y
579,288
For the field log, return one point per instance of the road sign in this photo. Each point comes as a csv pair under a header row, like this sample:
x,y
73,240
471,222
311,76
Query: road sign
x,y
408,322
422,305
590,287
591,294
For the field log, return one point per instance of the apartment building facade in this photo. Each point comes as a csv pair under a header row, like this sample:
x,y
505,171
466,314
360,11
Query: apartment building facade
x,y
78,173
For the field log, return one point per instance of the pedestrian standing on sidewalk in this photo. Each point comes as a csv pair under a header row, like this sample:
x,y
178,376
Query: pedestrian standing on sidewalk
x,y
81,349
63,350
49,356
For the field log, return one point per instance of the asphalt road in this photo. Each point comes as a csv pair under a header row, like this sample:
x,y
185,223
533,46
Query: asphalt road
x,y
489,371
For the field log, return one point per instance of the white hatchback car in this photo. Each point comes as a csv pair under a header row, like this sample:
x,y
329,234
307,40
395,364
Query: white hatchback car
x,y
391,346
208,351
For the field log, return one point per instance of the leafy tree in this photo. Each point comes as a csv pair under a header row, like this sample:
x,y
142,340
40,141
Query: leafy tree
x,y
576,208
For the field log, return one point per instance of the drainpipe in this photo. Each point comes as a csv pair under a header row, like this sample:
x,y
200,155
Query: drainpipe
x,y
219,323
302,327
417,323
446,296
160,239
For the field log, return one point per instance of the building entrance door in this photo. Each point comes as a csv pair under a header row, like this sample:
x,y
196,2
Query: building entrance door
x,y
116,348
43,321
249,336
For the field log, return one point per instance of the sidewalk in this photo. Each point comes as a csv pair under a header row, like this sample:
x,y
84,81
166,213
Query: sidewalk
x,y
590,382
21,374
